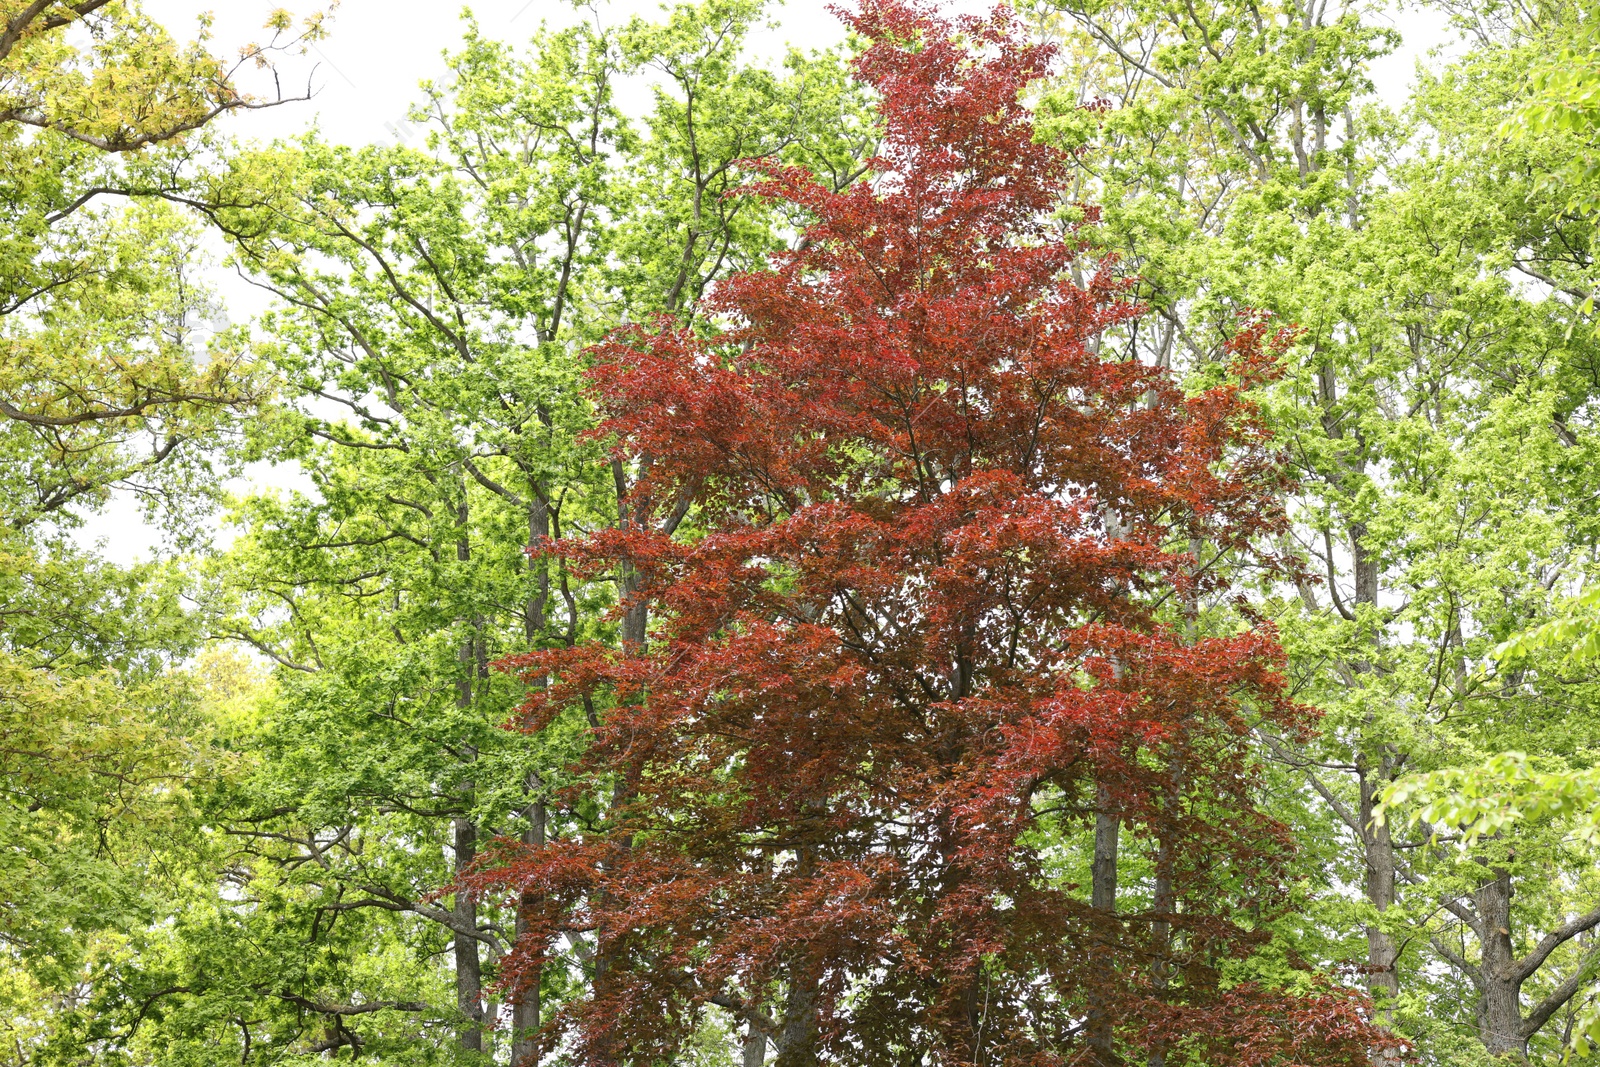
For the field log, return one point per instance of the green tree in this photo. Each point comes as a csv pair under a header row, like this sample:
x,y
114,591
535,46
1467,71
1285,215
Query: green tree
x,y
1432,414
107,383
99,306
1565,103
434,304
1511,788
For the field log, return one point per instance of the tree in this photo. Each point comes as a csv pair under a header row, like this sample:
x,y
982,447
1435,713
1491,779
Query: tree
x,y
917,633
1431,413
1509,788
100,314
435,303
105,384
1566,101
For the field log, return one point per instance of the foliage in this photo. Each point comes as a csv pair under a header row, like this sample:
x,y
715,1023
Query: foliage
x,y
1573,633
905,532
107,737
861,723
1507,789
434,304
105,376
1487,801
1566,100
1435,414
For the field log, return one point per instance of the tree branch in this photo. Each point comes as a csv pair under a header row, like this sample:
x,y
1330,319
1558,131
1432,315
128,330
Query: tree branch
x,y
1553,940
1560,994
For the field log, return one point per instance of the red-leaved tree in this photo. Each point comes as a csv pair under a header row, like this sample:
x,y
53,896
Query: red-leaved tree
x,y
920,557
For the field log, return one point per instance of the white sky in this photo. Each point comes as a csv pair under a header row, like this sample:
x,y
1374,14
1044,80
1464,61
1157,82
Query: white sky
x,y
366,75
377,51
368,69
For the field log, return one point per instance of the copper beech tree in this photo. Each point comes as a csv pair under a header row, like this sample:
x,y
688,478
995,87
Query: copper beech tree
x,y
914,549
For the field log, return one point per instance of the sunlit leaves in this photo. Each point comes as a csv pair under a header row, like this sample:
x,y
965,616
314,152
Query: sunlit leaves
x,y
904,534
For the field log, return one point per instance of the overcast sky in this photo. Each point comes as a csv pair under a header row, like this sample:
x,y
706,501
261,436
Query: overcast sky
x,y
365,77
366,72
368,68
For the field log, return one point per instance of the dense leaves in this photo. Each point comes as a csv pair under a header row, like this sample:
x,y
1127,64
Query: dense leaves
x,y
910,634
1056,536
107,383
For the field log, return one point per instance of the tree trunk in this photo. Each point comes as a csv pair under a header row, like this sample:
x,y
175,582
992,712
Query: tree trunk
x,y
1383,978
1364,564
1162,936
797,1037
755,1049
526,1004
797,1031
469,977
1103,890
1103,898
1383,981
1500,998
635,615
469,971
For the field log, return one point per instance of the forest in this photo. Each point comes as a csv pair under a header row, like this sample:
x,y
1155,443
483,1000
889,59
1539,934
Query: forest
x,y
1064,534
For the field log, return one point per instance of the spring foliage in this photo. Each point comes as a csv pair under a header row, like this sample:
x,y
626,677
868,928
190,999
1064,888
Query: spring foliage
x,y
910,630
1054,541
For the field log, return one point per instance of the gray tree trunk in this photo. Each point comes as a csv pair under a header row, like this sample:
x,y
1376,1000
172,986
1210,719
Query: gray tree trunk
x,y
1162,904
797,1036
1500,987
1383,981
755,1049
527,1007
469,970
1103,897
469,976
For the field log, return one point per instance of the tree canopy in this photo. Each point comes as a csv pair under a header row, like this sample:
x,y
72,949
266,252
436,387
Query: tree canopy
x,y
1062,534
